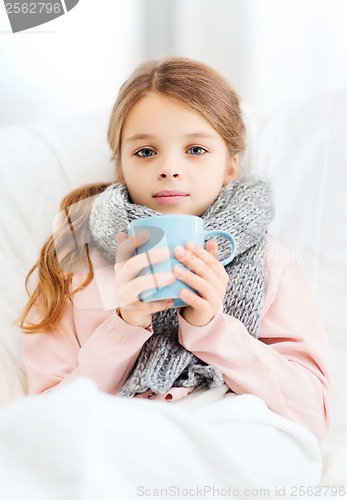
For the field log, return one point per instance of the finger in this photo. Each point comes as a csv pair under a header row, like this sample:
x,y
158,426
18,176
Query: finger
x,y
130,293
212,247
128,244
128,270
159,305
202,253
207,286
149,307
192,299
211,261
153,282
198,260
121,236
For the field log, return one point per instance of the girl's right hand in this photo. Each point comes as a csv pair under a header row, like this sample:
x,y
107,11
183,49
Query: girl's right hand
x,y
129,285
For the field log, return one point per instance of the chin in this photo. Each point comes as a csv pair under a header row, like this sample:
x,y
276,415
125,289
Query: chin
x,y
173,211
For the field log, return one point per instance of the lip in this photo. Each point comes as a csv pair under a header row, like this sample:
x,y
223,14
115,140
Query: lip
x,y
170,197
167,192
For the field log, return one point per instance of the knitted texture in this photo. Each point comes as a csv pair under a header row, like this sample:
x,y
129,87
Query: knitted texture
x,y
244,208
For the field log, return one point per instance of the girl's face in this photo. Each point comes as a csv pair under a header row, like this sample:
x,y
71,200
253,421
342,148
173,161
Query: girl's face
x,y
172,160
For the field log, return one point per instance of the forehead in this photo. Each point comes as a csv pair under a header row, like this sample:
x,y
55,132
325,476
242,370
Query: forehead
x,y
155,113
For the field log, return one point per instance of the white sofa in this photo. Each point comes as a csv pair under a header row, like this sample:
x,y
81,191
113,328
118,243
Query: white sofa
x,y
301,148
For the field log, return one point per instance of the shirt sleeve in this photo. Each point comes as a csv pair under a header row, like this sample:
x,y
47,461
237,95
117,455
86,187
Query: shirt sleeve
x,y
107,355
287,365
92,339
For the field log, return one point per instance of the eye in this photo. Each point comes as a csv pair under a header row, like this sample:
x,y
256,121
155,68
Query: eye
x,y
196,150
145,152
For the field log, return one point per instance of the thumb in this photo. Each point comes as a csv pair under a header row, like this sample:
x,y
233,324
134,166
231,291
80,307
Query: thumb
x,y
121,236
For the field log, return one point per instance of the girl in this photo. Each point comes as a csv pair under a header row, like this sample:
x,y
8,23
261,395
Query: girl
x,y
176,133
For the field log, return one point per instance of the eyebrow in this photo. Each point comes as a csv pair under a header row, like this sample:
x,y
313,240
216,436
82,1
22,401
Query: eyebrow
x,y
195,135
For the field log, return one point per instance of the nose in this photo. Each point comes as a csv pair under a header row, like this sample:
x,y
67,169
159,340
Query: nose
x,y
168,171
164,175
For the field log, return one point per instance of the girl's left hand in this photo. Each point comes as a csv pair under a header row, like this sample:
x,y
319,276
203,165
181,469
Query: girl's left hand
x,y
207,276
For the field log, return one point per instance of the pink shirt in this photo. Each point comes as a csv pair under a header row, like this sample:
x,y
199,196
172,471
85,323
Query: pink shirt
x,y
286,366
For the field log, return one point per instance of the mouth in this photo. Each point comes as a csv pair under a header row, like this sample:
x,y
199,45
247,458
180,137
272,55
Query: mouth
x,y
170,197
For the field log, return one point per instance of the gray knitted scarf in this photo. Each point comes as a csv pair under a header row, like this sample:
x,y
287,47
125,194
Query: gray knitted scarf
x,y
245,209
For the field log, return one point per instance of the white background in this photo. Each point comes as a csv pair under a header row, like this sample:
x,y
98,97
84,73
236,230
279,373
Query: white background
x,y
273,51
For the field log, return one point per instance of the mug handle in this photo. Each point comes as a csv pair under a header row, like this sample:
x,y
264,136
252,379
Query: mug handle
x,y
228,236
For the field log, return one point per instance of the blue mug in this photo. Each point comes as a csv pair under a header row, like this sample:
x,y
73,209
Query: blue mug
x,y
170,231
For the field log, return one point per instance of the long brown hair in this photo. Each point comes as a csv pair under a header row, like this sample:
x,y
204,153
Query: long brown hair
x,y
187,82
58,258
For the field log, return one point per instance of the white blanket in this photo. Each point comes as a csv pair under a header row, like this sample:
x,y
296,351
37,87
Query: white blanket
x,y
77,443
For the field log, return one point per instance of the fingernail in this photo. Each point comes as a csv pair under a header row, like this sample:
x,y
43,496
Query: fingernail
x,y
180,251
190,245
179,271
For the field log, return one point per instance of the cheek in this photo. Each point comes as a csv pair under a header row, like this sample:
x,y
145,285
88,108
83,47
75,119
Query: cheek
x,y
137,190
